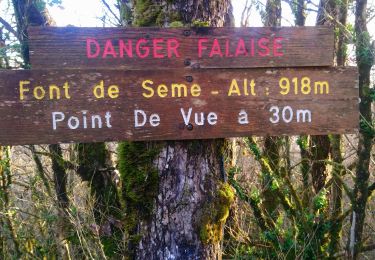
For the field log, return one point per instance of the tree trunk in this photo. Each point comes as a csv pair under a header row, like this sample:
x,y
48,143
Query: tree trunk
x,y
300,13
337,168
320,144
365,60
29,13
191,206
92,167
273,13
176,199
272,144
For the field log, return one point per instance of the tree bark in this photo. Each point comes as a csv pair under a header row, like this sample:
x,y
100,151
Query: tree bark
x,y
272,144
29,13
189,206
365,60
338,169
273,13
300,14
320,144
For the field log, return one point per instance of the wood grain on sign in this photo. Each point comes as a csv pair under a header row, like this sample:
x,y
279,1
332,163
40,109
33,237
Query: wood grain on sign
x,y
51,106
158,48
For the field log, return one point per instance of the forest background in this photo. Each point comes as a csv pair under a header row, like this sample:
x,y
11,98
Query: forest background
x,y
302,197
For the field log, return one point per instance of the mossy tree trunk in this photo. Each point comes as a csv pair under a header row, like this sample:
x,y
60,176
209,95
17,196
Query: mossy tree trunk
x,y
335,140
320,144
92,167
8,235
272,145
29,13
299,12
329,13
176,198
365,60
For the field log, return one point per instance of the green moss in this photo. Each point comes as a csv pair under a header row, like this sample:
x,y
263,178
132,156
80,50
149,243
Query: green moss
x,y
199,23
146,13
176,24
320,201
91,156
140,180
215,214
140,184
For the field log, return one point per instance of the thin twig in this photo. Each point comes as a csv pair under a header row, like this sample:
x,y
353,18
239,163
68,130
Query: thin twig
x,y
110,10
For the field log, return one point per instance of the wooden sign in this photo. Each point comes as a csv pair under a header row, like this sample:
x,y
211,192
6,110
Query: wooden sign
x,y
157,48
53,106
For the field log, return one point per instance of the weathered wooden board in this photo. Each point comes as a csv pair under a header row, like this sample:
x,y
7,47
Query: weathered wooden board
x,y
158,48
276,102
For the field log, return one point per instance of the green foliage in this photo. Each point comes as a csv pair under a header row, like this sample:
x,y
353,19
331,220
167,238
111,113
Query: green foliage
x,y
54,2
302,142
41,5
255,196
372,94
320,201
367,127
254,149
296,231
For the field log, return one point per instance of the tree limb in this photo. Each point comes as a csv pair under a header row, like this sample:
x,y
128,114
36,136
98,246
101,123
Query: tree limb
x,y
9,27
110,10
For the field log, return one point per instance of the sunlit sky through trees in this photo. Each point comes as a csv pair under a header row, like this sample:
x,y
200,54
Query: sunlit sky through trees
x,y
93,13
90,12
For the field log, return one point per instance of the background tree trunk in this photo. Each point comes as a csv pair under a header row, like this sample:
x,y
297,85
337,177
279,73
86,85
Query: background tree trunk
x,y
272,145
335,140
365,60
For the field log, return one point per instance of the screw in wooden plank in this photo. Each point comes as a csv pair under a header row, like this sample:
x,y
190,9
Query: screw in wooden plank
x,y
189,127
189,78
187,62
187,33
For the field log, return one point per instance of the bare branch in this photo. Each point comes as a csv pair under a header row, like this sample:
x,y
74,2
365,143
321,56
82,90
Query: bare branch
x,y
110,10
246,14
9,27
303,7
